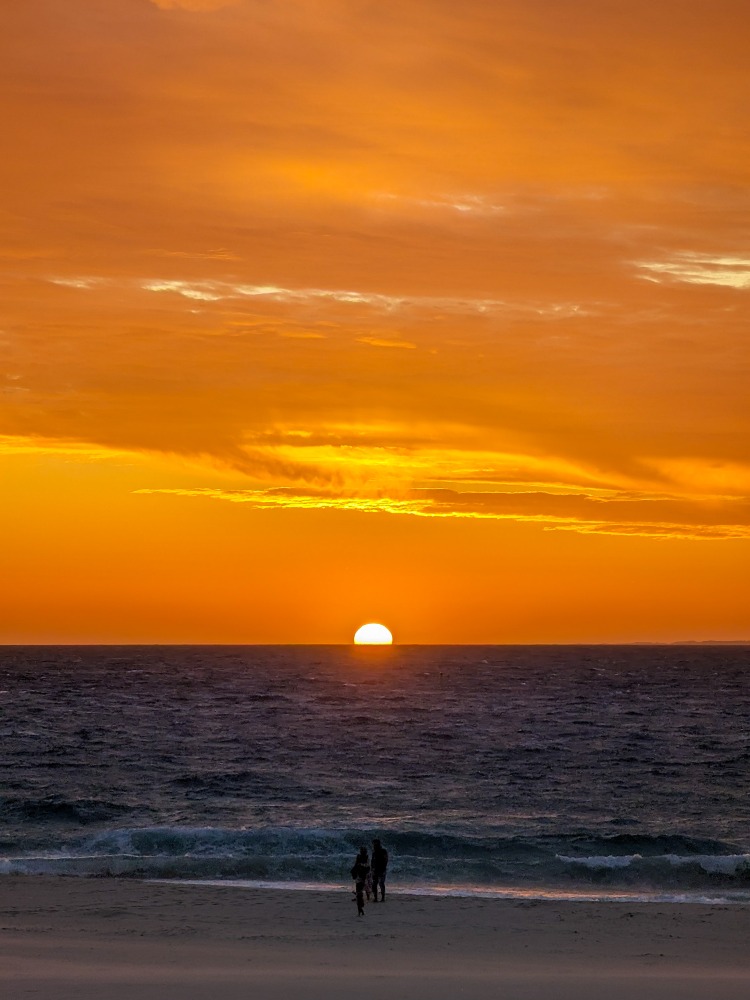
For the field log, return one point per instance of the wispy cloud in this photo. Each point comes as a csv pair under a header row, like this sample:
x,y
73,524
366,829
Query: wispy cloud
x,y
80,450
729,270
552,512
78,282
375,341
460,204
217,291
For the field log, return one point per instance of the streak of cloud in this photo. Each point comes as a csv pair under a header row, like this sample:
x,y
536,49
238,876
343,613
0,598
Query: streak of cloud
x,y
567,512
217,291
729,270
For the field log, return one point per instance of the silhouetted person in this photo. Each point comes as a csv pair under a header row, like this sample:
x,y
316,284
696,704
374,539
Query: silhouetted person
x,y
360,871
379,867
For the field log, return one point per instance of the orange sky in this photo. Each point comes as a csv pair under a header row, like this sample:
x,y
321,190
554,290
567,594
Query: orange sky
x,y
315,312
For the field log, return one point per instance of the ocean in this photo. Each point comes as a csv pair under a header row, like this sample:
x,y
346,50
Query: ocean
x,y
597,772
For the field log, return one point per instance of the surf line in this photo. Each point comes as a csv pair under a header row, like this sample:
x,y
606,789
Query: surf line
x,y
475,892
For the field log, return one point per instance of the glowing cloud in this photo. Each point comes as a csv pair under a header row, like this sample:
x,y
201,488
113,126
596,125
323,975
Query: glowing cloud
x,y
732,271
643,516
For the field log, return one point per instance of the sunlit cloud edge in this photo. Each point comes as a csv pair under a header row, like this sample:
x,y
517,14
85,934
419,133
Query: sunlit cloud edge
x,y
279,498
208,291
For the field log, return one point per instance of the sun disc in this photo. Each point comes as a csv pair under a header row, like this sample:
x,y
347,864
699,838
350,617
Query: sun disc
x,y
373,634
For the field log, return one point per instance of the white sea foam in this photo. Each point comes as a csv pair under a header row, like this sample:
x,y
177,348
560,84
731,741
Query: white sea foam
x,y
712,864
608,861
721,864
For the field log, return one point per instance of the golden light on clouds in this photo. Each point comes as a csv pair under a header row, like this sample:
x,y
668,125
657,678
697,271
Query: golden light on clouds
x,y
471,282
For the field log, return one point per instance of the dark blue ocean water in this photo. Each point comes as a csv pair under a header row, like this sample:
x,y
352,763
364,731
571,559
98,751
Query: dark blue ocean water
x,y
569,769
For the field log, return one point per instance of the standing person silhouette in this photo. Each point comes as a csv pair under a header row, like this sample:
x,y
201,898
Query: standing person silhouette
x,y
379,866
360,872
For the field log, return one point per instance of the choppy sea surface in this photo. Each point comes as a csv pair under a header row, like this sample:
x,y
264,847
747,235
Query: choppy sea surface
x,y
604,772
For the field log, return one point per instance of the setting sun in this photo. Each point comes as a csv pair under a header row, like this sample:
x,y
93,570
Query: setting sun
x,y
373,635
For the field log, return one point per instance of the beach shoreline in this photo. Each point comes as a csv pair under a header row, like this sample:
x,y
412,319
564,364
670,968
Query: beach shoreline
x,y
70,937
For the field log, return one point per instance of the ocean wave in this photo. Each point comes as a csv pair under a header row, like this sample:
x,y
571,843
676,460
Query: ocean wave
x,y
55,810
692,870
645,844
417,857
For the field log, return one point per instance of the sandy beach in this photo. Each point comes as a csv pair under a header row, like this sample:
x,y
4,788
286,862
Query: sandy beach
x,y
65,938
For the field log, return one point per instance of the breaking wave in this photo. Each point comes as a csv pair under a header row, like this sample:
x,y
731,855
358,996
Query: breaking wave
x,y
320,856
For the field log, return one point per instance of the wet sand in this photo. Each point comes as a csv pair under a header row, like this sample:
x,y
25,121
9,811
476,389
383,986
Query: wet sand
x,y
86,939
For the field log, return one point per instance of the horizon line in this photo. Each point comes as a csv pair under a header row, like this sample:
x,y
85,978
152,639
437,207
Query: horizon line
x,y
213,645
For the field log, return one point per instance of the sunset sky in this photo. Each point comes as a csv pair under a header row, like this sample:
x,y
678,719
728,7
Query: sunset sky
x,y
319,312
